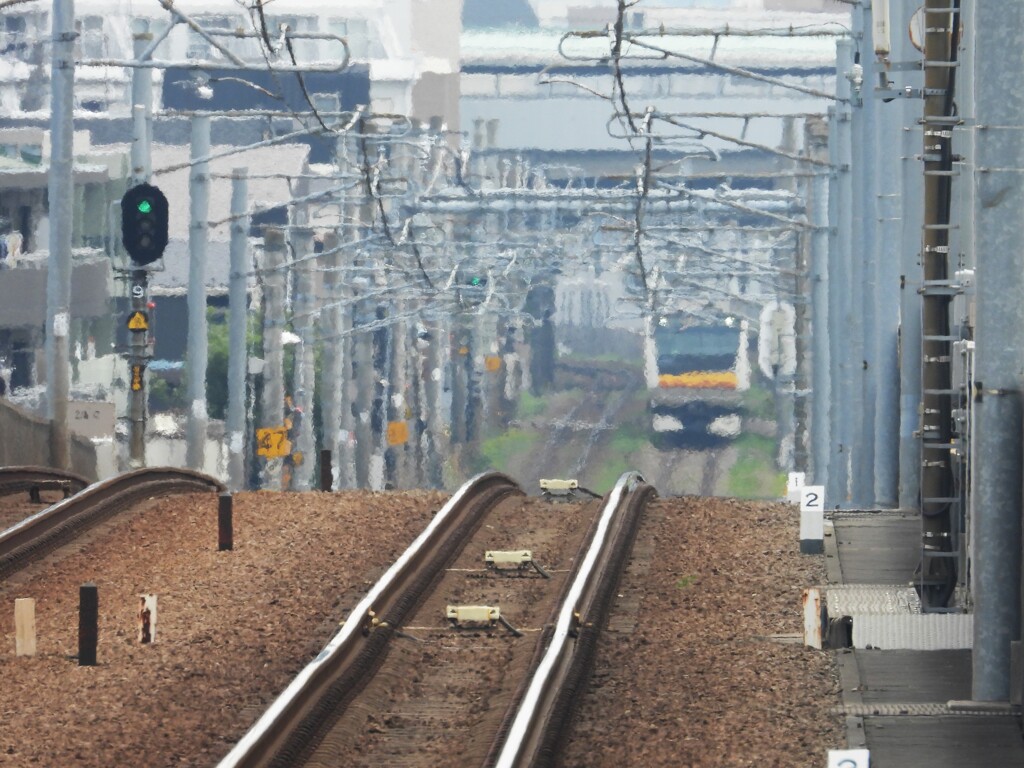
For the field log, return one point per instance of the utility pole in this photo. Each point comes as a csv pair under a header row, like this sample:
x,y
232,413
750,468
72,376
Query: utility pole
x,y
861,243
199,211
331,394
912,185
238,316
272,406
61,196
138,355
840,211
816,141
886,300
304,388
999,359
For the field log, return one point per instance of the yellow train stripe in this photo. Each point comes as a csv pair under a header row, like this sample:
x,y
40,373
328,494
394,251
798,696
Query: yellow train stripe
x,y
699,380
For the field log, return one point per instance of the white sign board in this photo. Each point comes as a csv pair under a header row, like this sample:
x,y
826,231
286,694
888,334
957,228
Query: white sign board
x,y
794,483
91,419
848,758
812,518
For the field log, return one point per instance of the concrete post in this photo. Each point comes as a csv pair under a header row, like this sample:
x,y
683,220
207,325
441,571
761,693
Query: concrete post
x,y
61,197
999,355
839,298
886,303
305,313
238,316
333,352
272,407
857,405
817,141
199,210
912,184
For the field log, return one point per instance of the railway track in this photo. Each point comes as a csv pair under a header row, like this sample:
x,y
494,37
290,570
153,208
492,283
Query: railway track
x,y
399,686
40,534
35,479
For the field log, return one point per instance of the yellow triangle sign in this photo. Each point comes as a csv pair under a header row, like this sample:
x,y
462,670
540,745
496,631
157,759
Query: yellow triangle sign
x,y
138,321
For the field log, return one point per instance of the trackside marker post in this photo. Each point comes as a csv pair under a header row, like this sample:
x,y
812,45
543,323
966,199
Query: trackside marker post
x,y
147,619
225,527
849,758
24,626
88,624
812,519
794,482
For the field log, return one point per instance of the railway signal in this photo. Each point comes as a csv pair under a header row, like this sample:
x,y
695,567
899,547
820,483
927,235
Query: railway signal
x,y
144,223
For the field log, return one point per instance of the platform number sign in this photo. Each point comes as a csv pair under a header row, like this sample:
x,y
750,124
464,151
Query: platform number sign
x,y
273,442
848,758
812,519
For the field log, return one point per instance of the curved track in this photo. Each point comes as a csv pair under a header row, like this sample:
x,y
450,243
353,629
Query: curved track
x,y
36,536
397,686
35,479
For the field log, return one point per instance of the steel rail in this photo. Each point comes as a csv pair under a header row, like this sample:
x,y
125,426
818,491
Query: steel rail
x,y
41,533
543,714
25,478
290,726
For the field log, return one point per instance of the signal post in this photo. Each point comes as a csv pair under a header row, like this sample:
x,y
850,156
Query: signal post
x,y
144,220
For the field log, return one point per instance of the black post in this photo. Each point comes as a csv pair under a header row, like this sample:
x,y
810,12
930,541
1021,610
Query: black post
x,y
88,624
326,472
225,533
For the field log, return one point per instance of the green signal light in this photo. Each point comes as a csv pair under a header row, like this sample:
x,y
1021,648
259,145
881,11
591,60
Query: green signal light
x,y
145,206
475,281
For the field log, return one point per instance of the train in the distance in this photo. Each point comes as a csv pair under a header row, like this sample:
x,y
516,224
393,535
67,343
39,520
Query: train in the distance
x,y
696,373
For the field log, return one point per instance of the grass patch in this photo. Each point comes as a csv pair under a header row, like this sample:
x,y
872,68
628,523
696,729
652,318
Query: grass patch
x,y
759,403
627,439
496,451
754,475
529,405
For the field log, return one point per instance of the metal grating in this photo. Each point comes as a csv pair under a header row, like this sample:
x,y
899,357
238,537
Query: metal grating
x,y
921,632
925,709
872,599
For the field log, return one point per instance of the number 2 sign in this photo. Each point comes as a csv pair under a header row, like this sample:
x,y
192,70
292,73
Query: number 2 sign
x,y
812,519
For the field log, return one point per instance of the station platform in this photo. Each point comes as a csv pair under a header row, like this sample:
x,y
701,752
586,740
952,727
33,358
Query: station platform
x,y
910,707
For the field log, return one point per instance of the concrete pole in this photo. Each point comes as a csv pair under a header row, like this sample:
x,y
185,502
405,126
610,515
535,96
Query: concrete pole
x,y
199,209
366,384
864,462
999,360
346,462
61,198
839,271
817,144
142,104
857,403
912,184
238,315
383,349
333,353
305,308
142,118
399,400
886,304
272,406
